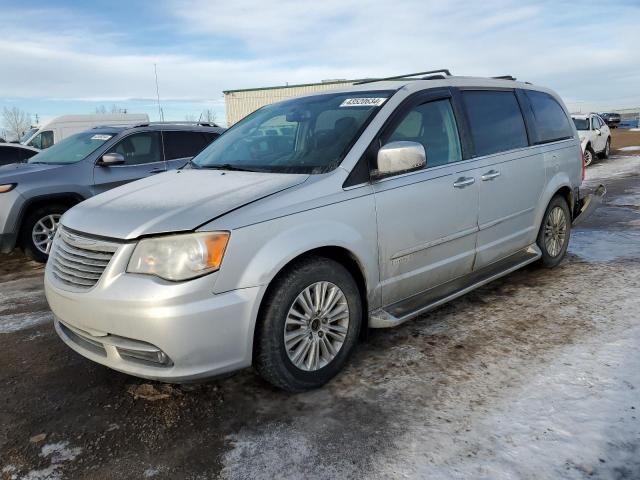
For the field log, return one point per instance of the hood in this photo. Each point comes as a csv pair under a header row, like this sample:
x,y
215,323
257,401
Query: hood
x,y
175,201
15,172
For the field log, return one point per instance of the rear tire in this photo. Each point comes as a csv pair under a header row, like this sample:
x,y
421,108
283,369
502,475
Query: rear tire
x,y
38,230
293,364
555,232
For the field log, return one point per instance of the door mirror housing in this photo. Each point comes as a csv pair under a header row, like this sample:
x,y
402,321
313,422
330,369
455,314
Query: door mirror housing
x,y
399,157
598,131
109,159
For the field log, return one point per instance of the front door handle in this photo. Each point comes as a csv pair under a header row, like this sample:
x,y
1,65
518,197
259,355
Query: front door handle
x,y
490,175
464,182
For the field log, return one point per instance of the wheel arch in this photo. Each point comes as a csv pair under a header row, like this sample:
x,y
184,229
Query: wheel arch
x,y
67,198
339,254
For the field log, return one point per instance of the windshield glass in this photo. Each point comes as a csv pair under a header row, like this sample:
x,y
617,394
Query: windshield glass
x,y
581,123
72,149
27,135
303,135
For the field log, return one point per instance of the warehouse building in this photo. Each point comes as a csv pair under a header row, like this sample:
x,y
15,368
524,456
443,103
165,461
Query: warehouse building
x,y
240,103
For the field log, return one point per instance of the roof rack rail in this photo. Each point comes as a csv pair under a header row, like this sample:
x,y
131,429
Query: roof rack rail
x,y
505,77
406,76
177,122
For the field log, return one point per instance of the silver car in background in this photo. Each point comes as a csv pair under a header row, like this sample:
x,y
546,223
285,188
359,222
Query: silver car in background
x,y
314,219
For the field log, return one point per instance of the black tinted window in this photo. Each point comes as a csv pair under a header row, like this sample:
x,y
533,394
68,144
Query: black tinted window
x,y
9,155
495,120
140,148
550,120
186,144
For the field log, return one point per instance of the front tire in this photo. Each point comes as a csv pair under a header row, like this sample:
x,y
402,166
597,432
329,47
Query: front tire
x,y
555,231
38,230
589,156
309,325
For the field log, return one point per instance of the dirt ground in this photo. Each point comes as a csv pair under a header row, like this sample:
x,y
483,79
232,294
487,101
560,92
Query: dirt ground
x,y
624,137
535,376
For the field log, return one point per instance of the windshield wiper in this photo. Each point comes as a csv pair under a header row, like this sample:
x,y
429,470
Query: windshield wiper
x,y
226,166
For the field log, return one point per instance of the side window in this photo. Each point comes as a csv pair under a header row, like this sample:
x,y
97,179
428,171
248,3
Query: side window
x,y
185,144
9,155
139,148
42,140
432,124
550,120
495,120
47,139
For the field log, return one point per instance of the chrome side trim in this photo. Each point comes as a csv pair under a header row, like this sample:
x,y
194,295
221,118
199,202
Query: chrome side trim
x,y
433,243
493,223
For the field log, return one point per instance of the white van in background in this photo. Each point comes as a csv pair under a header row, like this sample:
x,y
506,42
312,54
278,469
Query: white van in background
x,y
66,125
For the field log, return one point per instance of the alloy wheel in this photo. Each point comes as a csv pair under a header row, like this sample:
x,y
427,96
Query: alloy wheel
x,y
44,231
316,326
588,157
555,231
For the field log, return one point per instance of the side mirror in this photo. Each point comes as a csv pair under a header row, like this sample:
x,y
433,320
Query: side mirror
x,y
598,131
398,157
109,159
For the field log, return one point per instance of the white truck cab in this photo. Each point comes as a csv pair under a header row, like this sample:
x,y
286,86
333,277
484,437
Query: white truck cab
x,y
61,127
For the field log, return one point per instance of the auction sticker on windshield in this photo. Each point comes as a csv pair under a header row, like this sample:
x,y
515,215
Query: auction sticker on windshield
x,y
363,102
104,138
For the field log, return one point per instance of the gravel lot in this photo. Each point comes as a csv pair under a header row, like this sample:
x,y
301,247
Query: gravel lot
x,y
534,376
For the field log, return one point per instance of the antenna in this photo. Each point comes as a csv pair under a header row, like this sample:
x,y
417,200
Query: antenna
x,y
160,112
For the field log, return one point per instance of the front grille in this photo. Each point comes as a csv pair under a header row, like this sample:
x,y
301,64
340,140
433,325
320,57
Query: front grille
x,y
78,260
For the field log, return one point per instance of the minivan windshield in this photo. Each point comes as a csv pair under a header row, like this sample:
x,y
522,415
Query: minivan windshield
x,y
28,134
72,149
303,135
581,123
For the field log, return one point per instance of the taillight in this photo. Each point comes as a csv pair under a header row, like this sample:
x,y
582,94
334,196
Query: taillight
x,y
584,166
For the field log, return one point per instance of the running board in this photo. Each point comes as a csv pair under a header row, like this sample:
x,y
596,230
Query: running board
x,y
411,307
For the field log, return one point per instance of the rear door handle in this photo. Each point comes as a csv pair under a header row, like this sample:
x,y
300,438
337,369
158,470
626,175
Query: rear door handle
x,y
490,175
464,182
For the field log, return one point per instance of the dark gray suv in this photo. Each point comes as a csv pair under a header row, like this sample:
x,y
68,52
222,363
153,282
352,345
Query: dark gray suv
x,y
34,195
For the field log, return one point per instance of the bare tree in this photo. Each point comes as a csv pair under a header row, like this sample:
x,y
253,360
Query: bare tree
x,y
208,116
190,118
16,122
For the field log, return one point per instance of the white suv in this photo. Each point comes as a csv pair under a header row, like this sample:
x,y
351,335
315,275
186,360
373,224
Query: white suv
x,y
595,136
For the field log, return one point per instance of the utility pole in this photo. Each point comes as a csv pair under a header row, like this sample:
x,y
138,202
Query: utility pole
x,y
160,113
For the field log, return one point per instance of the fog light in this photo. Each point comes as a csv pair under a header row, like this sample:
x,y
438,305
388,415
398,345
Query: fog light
x,y
155,357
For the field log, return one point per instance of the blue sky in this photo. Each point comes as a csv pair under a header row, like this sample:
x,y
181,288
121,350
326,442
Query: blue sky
x,y
62,57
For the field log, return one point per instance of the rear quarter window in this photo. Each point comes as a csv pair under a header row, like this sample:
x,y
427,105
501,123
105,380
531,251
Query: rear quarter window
x,y
550,120
495,120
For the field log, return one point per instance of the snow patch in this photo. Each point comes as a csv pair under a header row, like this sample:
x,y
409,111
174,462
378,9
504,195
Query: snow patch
x,y
596,245
632,148
58,453
21,321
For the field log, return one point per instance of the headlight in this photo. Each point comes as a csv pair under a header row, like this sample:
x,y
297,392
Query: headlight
x,y
179,257
7,187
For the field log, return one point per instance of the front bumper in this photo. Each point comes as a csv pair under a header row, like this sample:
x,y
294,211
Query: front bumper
x,y
200,334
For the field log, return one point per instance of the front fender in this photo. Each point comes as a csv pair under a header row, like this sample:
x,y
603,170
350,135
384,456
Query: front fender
x,y
257,253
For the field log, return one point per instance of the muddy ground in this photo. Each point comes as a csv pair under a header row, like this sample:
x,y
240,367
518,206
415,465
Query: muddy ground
x,y
534,376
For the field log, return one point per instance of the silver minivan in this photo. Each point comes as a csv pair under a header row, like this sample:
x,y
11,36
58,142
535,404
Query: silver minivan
x,y
314,219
